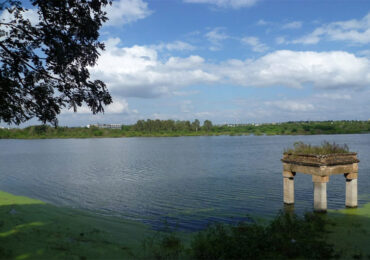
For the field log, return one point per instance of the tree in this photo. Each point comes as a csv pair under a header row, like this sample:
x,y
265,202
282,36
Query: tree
x,y
207,125
44,64
195,125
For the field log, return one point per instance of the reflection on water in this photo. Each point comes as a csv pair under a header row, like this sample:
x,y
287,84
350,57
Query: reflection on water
x,y
184,182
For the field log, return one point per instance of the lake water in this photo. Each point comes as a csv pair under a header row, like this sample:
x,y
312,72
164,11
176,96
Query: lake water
x,y
183,182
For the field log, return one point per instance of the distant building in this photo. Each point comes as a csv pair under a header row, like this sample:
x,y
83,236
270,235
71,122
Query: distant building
x,y
110,126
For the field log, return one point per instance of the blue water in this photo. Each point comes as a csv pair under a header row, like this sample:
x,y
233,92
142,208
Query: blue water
x,y
183,182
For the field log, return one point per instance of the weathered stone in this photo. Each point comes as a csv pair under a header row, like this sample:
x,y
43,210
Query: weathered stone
x,y
319,197
288,190
316,178
288,174
321,167
351,176
320,160
351,193
322,170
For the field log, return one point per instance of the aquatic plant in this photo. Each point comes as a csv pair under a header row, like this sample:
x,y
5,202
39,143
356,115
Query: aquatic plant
x,y
286,236
325,148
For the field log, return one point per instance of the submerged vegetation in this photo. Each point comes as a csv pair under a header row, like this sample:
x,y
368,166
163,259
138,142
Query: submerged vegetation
x,y
324,148
31,229
159,128
286,236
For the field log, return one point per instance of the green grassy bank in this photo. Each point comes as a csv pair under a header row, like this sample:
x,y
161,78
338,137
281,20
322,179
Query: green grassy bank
x,y
32,229
170,128
349,232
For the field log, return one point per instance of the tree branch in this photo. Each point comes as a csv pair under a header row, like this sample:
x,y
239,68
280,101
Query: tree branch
x,y
27,64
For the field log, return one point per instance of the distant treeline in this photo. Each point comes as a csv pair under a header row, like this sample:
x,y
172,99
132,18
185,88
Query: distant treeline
x,y
186,128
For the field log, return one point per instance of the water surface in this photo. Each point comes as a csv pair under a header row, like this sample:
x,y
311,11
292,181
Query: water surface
x,y
183,182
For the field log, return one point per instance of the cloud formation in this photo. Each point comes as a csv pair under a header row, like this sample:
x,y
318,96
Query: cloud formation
x,y
139,71
119,13
291,105
255,44
126,11
353,31
236,4
119,106
325,70
215,37
292,25
30,14
174,46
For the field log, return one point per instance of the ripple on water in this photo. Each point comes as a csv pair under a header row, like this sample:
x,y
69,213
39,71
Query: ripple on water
x,y
185,182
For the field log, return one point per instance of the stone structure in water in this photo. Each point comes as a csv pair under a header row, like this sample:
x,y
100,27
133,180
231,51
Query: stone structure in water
x,y
321,167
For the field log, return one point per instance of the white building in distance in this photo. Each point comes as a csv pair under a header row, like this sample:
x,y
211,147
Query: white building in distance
x,y
110,126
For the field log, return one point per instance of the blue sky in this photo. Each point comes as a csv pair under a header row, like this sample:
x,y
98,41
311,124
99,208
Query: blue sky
x,y
233,61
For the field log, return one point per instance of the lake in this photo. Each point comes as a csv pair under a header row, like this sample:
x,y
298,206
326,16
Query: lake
x,y
183,182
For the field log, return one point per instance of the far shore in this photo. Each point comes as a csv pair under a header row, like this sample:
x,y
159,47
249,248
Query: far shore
x,y
170,128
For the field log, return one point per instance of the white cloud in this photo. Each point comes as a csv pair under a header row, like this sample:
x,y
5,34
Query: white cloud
x,y
334,96
280,40
353,31
291,105
311,38
292,25
256,45
186,106
119,106
296,69
204,115
30,14
236,4
119,13
185,93
365,53
174,46
138,71
262,22
126,11
216,36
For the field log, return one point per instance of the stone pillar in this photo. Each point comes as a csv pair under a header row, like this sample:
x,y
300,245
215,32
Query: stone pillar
x,y
288,178
319,193
351,190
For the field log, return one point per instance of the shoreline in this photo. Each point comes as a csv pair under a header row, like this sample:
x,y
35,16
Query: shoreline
x,y
48,231
174,136
170,128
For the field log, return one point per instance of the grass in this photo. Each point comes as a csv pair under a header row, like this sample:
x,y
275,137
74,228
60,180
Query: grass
x,y
286,236
341,234
32,229
349,232
160,128
324,148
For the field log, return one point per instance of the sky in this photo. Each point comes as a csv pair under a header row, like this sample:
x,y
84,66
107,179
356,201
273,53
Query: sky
x,y
233,61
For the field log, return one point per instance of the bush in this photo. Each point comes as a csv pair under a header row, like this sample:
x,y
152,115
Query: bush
x,y
324,148
163,246
286,236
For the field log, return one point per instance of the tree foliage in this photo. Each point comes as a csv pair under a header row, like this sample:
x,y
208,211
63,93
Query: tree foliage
x,y
287,236
207,125
44,64
170,126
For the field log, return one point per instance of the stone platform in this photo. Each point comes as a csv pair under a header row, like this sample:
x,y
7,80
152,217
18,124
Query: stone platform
x,y
321,167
